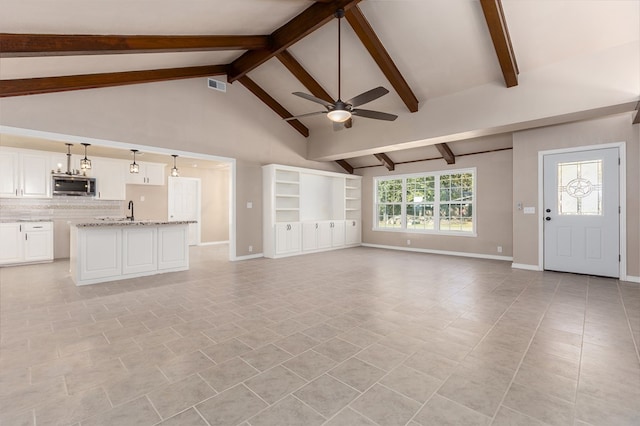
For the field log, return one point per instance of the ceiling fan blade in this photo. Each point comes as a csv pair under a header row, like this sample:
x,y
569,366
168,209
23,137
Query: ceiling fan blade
x,y
376,115
305,115
368,96
314,99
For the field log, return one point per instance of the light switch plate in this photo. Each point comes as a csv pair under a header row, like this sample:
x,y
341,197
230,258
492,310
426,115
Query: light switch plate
x,y
249,205
529,210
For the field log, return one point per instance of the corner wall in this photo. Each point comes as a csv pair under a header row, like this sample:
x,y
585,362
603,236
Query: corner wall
x,y
493,207
526,146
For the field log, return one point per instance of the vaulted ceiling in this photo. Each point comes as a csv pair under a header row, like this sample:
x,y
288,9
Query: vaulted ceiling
x,y
418,49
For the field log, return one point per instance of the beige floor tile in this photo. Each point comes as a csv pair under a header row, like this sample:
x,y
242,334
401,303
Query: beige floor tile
x,y
439,411
59,366
156,337
185,365
337,349
348,417
94,375
231,406
310,364
228,374
385,406
138,412
226,350
73,408
189,417
288,412
432,364
175,397
157,356
296,343
135,384
411,383
360,337
224,332
382,356
357,374
509,417
321,332
326,395
599,413
552,384
189,344
266,357
274,384
481,397
25,418
539,405
259,338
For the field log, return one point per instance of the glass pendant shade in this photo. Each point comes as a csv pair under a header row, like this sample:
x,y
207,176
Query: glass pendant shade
x,y
85,163
174,170
339,115
134,167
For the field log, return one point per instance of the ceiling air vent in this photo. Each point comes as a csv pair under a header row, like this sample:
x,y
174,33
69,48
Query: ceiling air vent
x,y
216,84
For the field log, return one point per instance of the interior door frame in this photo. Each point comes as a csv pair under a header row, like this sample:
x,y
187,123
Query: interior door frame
x,y
199,203
622,182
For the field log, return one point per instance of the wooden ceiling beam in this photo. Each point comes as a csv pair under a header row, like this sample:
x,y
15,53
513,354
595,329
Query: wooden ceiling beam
x,y
636,119
446,153
312,18
273,104
494,15
379,54
345,165
386,161
22,45
303,76
34,86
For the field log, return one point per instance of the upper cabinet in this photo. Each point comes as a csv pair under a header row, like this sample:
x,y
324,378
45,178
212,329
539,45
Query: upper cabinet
x,y
150,174
24,174
110,178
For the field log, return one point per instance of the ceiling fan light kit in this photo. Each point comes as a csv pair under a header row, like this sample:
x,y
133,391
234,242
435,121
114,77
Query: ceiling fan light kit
x,y
340,111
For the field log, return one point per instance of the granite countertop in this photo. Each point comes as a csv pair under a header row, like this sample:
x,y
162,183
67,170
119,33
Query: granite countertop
x,y
102,223
9,220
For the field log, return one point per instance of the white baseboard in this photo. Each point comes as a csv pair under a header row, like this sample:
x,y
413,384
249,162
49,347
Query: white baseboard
x,y
632,279
214,243
447,253
248,257
525,266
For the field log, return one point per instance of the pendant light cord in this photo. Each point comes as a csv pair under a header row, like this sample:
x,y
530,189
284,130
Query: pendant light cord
x,y
339,58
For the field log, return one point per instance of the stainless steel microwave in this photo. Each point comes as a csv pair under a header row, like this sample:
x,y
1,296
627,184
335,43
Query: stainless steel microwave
x,y
73,185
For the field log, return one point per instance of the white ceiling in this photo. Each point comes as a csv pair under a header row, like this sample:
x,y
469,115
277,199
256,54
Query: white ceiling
x,y
440,46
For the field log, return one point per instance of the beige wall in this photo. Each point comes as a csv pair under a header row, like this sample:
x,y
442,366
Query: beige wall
x,y
214,224
526,146
493,208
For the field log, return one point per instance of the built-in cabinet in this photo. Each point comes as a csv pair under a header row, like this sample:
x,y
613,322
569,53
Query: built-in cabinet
x,y
26,242
25,174
110,178
309,210
149,174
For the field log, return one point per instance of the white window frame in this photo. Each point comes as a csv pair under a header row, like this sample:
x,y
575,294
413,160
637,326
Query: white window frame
x,y
436,204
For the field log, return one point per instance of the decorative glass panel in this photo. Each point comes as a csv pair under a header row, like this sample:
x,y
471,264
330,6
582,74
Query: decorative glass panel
x,y
580,188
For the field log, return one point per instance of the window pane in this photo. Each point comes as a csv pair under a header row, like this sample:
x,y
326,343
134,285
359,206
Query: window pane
x,y
420,216
580,188
456,217
390,191
390,216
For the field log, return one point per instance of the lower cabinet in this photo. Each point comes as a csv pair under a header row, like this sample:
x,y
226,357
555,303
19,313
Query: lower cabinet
x,y
287,238
100,254
323,235
26,242
353,233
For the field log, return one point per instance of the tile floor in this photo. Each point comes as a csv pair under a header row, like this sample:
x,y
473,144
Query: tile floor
x,y
352,337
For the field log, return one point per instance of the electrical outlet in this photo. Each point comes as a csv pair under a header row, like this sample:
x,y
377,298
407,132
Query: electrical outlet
x,y
250,249
408,242
499,249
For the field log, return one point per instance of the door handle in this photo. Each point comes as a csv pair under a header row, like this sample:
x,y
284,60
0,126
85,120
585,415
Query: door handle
x,y
547,218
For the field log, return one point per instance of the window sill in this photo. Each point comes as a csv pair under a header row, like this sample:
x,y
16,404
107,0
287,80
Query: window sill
x,y
427,232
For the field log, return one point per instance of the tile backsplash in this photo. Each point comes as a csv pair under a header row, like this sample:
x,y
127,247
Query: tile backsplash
x,y
59,208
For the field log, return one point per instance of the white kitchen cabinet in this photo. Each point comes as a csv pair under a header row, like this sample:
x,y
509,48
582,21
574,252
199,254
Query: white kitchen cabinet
x,y
287,238
26,242
353,232
101,253
139,250
173,247
304,210
110,177
149,174
25,173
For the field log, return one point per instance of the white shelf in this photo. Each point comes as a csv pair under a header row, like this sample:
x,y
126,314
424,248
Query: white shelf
x,y
287,209
288,182
352,187
288,195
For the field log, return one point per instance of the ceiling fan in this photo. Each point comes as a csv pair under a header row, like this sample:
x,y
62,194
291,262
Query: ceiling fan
x,y
340,112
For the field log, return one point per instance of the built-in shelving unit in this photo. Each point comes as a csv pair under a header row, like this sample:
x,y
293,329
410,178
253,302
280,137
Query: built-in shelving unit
x,y
309,210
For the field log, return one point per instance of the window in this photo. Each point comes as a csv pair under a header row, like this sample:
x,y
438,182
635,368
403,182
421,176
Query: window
x,y
438,202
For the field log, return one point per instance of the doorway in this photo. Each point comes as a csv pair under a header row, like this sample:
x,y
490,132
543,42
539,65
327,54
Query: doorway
x,y
581,211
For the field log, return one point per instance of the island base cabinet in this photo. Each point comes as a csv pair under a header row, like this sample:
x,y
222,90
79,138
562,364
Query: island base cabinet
x,y
140,250
102,254
174,247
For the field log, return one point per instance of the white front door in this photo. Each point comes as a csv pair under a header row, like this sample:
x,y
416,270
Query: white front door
x,y
184,204
581,212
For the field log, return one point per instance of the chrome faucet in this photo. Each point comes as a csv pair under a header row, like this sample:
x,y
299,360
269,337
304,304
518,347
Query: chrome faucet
x,y
130,208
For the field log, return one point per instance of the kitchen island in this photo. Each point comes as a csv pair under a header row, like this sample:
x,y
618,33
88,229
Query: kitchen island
x,y
110,250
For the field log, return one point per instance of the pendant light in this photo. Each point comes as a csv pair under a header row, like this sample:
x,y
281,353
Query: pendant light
x,y
85,163
174,171
134,167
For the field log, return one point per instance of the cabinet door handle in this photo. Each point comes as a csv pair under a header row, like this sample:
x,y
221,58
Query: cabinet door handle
x,y
316,226
16,192
22,191
20,228
25,237
37,227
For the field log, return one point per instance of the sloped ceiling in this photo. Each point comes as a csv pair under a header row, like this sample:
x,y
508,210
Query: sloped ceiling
x,y
442,47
